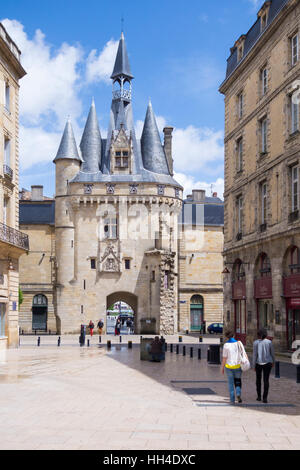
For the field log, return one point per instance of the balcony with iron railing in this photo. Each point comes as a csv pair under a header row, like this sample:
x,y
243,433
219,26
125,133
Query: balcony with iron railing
x,y
7,171
14,237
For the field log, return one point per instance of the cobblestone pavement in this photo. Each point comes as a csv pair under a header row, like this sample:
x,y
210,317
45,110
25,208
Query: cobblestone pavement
x,y
91,398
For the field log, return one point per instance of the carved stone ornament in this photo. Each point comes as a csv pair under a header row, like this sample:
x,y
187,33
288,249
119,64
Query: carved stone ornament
x,y
110,261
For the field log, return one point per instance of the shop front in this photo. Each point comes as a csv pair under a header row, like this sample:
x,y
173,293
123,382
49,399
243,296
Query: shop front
x,y
264,303
291,292
239,301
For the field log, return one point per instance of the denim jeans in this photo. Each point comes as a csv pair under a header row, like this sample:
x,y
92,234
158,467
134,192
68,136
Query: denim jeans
x,y
234,382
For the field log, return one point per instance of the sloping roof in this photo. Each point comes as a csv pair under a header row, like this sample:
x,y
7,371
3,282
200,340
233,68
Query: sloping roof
x,y
37,213
198,214
68,148
254,35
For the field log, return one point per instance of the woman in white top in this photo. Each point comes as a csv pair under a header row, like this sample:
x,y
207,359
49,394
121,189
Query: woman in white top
x,y
231,363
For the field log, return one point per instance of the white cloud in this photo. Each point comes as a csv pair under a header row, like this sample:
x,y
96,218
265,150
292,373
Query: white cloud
x,y
50,87
190,182
37,145
196,149
99,68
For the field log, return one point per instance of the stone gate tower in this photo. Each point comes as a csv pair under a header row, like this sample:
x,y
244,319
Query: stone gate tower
x,y
117,208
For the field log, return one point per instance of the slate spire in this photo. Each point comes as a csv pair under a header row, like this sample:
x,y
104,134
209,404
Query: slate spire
x,y
90,144
122,66
68,148
154,158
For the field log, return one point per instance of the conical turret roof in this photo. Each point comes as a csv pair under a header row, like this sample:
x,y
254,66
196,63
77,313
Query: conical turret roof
x,y
122,66
90,144
153,154
68,148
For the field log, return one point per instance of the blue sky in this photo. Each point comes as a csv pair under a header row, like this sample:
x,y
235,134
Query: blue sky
x,y
177,51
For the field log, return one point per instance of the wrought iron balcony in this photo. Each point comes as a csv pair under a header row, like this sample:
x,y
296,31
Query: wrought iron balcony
x,y
7,171
14,237
122,94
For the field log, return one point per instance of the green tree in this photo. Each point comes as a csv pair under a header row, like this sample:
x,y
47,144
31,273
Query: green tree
x,y
21,297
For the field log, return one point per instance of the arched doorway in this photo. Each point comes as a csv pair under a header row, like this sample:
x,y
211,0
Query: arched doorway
x,y
122,306
291,292
197,313
39,312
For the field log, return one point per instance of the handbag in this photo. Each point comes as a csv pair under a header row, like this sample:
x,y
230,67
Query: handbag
x,y
245,363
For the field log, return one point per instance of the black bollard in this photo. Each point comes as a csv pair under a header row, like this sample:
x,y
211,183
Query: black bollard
x,y
277,370
120,339
99,339
88,343
221,340
108,344
191,352
39,341
208,355
200,339
180,339
183,351
166,347
35,332
187,332
58,341
298,374
129,344
199,354
177,348
171,348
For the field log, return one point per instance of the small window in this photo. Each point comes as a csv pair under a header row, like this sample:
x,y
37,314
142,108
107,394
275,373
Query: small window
x,y
118,154
127,263
240,105
7,151
93,263
125,154
294,116
152,276
239,214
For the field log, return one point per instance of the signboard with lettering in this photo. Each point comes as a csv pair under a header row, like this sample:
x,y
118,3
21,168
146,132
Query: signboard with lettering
x,y
239,290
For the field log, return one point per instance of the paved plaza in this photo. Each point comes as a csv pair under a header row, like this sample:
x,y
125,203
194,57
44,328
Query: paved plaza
x,y
69,397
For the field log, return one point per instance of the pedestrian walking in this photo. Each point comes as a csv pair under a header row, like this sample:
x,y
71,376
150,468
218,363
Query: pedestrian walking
x,y
232,364
129,325
91,327
100,326
263,361
118,327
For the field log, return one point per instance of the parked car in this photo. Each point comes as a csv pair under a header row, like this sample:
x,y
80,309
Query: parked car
x,y
215,328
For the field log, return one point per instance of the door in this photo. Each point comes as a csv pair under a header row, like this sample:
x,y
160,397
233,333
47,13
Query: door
x,y
196,313
39,312
2,319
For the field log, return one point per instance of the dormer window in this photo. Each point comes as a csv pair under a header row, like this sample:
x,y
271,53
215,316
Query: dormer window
x,y
264,21
240,53
263,15
121,159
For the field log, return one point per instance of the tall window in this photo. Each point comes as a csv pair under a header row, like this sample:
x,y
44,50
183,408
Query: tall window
x,y
6,151
265,266
264,81
294,116
238,271
7,96
121,159
2,319
295,188
295,49
239,202
239,147
110,228
264,203
295,260
264,130
240,104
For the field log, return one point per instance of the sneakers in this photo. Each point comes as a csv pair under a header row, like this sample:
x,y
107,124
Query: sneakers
x,y
239,399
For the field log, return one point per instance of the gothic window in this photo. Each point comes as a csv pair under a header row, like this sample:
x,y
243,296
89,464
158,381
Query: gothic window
x,y
127,263
295,260
265,265
110,228
238,271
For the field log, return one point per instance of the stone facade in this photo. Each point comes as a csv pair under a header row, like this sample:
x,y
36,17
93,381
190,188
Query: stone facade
x,y
262,142
12,243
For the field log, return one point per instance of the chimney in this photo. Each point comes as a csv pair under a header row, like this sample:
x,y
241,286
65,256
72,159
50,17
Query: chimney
x,y
198,195
168,147
215,194
37,193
